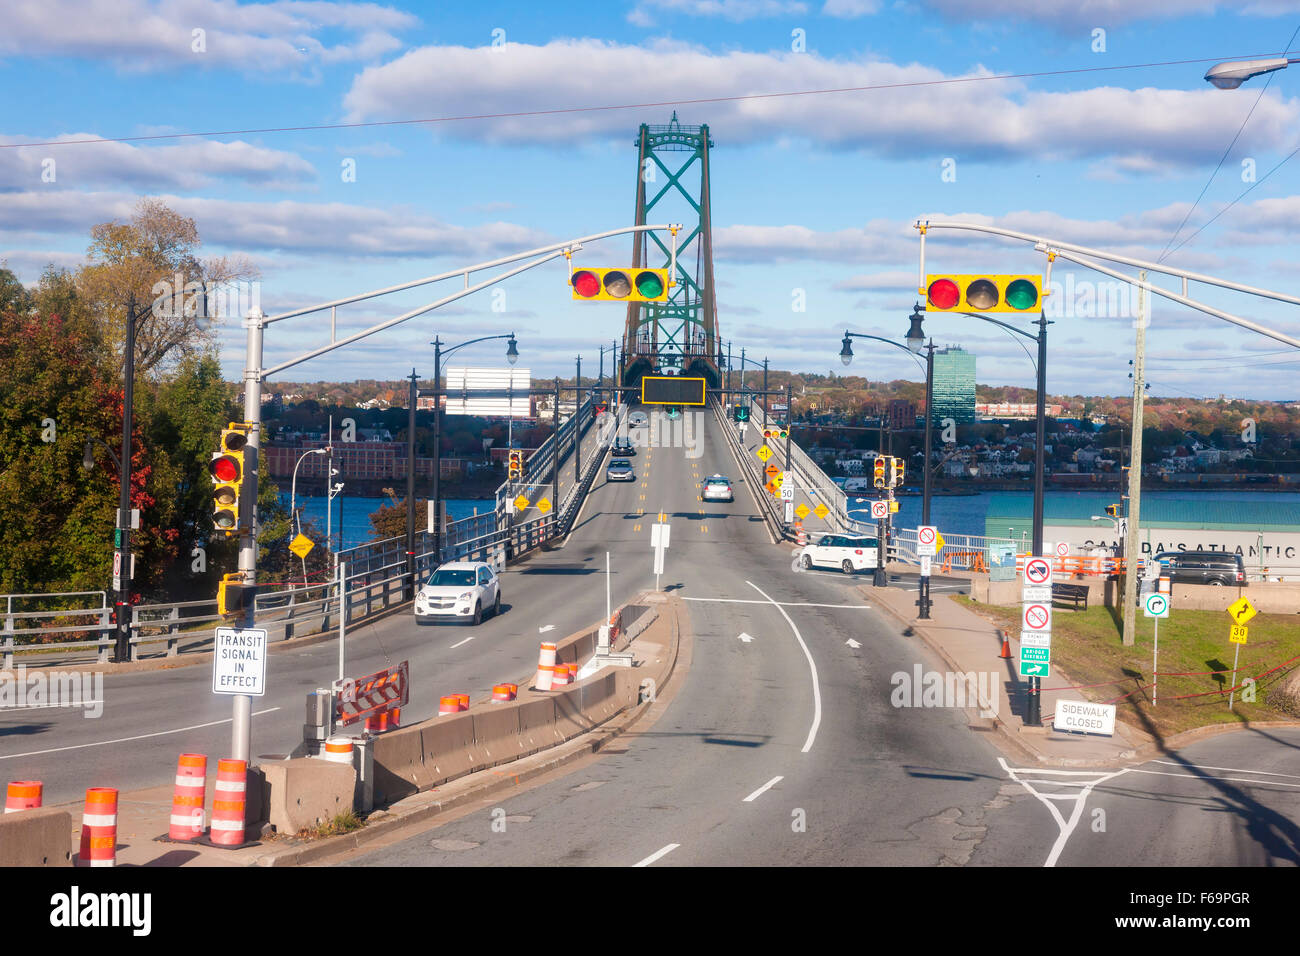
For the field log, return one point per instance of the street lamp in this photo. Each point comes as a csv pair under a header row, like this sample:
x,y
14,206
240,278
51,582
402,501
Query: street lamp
x,y
1230,75
915,343
512,356
293,497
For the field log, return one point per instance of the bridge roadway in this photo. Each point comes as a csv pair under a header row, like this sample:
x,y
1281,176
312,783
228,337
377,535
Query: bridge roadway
x,y
871,783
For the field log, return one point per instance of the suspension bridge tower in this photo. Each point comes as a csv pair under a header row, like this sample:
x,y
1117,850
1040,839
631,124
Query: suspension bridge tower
x,y
679,336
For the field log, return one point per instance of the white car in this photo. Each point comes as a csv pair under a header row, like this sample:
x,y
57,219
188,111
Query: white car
x,y
460,590
848,552
717,488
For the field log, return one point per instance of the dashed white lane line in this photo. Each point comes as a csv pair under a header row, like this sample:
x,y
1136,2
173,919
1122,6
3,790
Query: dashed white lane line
x,y
459,643
657,855
762,790
812,666
123,740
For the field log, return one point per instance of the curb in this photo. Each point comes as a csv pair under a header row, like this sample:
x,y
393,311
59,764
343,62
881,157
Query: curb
x,y
573,750
1142,753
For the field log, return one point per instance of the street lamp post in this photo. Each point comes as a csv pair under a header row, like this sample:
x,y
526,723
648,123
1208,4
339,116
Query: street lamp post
x,y
293,499
915,342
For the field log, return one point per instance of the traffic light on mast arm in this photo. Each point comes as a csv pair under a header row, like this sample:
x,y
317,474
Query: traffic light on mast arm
x,y
227,471
983,293
620,285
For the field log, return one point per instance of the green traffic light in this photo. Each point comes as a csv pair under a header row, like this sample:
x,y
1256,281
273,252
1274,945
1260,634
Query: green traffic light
x,y
1021,294
649,286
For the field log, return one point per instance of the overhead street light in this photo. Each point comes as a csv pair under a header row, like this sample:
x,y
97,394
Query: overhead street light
x,y
1230,75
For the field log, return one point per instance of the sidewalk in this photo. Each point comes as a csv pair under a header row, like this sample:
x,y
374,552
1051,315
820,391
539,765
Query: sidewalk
x,y
968,643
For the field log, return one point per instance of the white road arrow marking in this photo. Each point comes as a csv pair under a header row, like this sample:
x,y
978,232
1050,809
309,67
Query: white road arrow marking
x,y
852,643
548,627
744,637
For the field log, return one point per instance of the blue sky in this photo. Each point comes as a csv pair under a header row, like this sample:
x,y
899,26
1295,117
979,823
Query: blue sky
x,y
813,193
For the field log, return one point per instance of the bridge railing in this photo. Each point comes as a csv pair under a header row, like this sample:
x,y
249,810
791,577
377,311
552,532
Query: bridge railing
x,y
771,516
815,482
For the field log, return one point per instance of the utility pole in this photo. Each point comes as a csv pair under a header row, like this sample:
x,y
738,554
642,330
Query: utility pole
x,y
122,615
1131,544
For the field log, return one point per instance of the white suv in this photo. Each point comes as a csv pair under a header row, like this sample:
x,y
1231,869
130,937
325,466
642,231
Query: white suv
x,y
460,590
848,552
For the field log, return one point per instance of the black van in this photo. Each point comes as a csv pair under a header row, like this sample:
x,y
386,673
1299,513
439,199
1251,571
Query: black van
x,y
1203,567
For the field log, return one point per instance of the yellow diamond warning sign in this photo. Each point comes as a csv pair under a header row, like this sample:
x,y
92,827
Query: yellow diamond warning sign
x,y
544,505
821,511
521,503
301,545
802,511
763,453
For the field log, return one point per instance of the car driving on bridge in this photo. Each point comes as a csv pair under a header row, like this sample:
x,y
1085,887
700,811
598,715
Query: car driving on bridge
x,y
619,469
623,447
458,591
848,552
717,488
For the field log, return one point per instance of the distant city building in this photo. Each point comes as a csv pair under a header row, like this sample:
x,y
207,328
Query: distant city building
x,y
1014,410
954,385
902,414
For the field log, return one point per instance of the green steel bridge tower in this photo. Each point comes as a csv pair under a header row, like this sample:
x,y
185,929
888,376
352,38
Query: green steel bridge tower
x,y
682,333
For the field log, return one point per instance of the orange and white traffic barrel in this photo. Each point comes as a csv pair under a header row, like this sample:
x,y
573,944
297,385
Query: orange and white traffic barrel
x,y
449,705
394,718
228,802
504,692
338,750
99,828
22,795
562,676
464,701
188,797
546,666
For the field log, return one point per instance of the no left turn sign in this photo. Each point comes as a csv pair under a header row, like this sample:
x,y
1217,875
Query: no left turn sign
x,y
1038,571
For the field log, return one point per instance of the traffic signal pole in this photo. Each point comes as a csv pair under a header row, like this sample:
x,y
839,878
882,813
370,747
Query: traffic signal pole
x,y
241,728
413,397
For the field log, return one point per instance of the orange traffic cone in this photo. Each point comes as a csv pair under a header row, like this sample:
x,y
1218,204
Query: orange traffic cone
x,y
1006,647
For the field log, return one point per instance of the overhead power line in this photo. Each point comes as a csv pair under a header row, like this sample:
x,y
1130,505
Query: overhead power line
x,y
627,106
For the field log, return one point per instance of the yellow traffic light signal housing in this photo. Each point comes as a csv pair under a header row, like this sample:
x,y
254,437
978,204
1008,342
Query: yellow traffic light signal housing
x,y
516,463
983,293
620,285
227,471
880,471
233,595
895,472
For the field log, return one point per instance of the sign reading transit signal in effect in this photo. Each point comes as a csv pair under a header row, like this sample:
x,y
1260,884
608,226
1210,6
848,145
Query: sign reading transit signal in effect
x,y
983,293
672,390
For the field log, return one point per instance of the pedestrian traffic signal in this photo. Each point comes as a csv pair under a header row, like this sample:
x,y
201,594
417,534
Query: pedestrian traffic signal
x,y
233,595
227,471
516,465
983,293
622,285
880,471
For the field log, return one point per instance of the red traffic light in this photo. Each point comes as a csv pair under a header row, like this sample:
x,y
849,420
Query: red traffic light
x,y
224,468
586,284
943,294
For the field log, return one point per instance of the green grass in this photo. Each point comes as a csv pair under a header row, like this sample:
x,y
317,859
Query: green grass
x,y
1087,645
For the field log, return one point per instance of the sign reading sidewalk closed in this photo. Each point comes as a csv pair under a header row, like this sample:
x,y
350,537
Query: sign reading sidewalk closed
x,y
1085,718
239,661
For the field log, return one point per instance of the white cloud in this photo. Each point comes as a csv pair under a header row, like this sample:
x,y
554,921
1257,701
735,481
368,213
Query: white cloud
x,y
648,12
328,229
969,121
187,165
850,9
140,35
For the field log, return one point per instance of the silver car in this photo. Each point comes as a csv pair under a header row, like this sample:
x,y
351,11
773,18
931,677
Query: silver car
x,y
458,591
620,469
717,488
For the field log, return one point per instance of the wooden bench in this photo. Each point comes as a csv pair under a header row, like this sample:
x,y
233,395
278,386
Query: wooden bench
x,y
1073,593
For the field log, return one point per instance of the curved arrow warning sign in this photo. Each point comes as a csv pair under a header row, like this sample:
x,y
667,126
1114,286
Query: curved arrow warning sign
x,y
1038,571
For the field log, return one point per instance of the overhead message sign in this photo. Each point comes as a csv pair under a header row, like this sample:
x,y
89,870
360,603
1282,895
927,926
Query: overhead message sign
x,y
239,661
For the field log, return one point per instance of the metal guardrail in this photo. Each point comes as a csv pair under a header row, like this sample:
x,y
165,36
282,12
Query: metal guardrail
x,y
771,516
376,579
